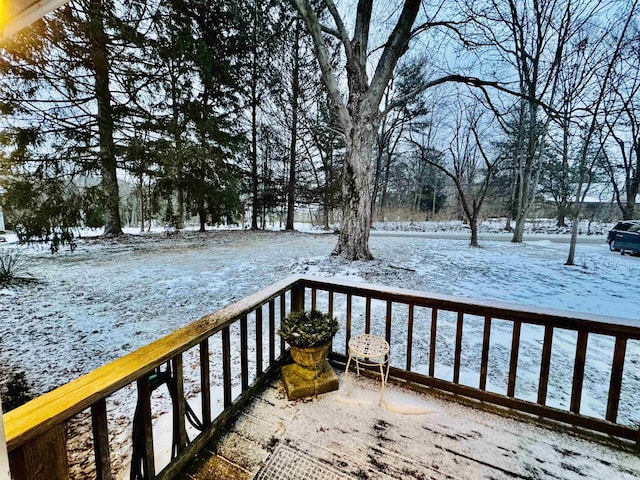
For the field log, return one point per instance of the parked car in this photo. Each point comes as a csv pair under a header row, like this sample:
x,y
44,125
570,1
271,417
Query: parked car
x,y
625,237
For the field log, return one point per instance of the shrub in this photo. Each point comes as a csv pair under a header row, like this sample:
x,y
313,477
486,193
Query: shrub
x,y
308,329
16,391
13,266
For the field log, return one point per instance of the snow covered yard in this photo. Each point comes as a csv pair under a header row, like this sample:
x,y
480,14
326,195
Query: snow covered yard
x,y
109,298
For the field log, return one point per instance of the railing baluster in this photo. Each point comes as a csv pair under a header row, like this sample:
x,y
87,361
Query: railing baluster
x,y
409,337
244,354
272,332
330,293
101,440
348,325
432,346
578,371
615,383
484,361
545,364
283,313
297,298
367,315
144,399
179,430
513,363
226,366
387,327
205,382
314,298
259,341
458,351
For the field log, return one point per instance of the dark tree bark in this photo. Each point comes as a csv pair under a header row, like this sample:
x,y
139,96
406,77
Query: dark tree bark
x,y
99,54
295,91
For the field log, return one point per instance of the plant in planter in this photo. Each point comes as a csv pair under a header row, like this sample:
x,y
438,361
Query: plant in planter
x,y
309,333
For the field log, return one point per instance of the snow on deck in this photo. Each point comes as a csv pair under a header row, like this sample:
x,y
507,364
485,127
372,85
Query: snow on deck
x,y
345,434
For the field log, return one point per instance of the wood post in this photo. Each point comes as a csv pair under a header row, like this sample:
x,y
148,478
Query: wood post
x,y
43,458
4,457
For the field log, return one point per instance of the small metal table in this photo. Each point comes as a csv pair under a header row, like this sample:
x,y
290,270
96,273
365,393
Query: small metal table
x,y
371,350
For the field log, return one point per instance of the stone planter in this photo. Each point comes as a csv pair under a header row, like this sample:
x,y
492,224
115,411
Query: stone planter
x,y
310,358
311,374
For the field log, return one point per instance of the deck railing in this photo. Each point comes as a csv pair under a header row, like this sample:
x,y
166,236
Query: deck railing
x,y
426,332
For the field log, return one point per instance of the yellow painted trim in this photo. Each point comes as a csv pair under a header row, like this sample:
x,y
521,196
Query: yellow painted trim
x,y
26,17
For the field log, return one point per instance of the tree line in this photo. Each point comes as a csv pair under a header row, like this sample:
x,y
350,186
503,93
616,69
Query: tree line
x,y
211,107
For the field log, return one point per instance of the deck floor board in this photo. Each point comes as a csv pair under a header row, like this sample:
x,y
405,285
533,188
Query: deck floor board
x,y
411,435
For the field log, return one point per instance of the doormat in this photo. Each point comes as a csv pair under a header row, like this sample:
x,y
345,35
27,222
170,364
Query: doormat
x,y
286,463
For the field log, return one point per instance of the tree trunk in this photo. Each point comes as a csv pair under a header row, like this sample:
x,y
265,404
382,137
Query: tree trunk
x,y
295,87
98,41
562,213
574,239
473,223
141,204
353,243
254,145
202,214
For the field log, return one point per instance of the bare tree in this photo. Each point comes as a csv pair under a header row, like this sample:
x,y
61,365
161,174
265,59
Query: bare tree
x,y
470,166
622,119
603,54
358,115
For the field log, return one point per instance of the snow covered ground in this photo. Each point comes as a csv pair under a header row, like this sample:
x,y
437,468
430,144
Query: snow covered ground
x,y
110,297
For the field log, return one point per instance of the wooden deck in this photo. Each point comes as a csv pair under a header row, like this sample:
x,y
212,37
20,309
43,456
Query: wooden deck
x,y
341,436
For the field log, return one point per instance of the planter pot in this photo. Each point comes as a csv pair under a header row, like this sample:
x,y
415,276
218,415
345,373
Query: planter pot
x,y
310,358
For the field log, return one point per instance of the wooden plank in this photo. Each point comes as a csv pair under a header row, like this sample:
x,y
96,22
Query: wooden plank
x,y
543,411
102,452
432,342
348,325
283,314
458,350
331,303
226,366
484,359
600,324
41,458
221,424
54,407
615,384
367,315
244,354
258,342
387,326
179,413
144,403
513,363
578,371
297,298
314,298
330,294
272,332
545,365
205,382
409,337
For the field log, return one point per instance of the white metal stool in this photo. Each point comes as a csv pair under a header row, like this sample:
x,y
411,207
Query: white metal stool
x,y
369,350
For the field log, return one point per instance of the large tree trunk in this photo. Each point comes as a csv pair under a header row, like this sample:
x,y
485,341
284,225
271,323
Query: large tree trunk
x,y
473,224
353,243
295,87
254,145
108,166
